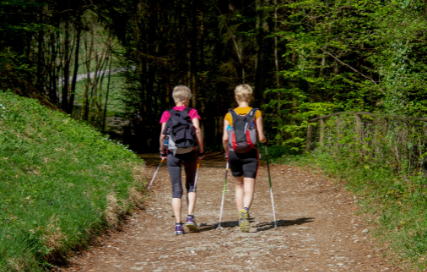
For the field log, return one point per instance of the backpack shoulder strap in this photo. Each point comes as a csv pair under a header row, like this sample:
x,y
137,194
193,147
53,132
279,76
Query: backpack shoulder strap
x,y
233,113
186,113
252,113
187,109
253,110
171,122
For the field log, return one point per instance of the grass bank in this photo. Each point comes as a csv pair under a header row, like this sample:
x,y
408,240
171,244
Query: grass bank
x,y
62,183
396,202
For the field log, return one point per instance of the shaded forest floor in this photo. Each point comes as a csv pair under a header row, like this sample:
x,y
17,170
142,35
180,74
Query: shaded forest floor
x,y
317,229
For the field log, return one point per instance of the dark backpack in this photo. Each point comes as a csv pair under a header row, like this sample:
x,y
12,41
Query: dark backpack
x,y
180,129
242,136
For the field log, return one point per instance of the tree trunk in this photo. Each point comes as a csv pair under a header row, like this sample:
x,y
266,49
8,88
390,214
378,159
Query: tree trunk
x,y
308,138
293,85
322,132
202,92
106,97
40,56
85,107
193,57
52,77
276,62
76,68
259,64
66,70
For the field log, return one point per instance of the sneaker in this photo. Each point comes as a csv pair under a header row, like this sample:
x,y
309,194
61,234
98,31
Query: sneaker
x,y
244,220
191,224
179,229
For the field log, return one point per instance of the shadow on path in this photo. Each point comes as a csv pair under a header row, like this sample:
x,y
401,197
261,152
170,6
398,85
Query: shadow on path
x,y
284,223
261,226
225,224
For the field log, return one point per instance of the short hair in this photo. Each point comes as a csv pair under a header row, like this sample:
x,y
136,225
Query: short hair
x,y
180,92
243,93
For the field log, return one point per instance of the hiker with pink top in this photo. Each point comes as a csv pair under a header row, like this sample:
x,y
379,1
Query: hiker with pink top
x,y
179,136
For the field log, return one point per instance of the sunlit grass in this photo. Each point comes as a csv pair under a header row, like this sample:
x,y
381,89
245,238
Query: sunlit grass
x,y
62,182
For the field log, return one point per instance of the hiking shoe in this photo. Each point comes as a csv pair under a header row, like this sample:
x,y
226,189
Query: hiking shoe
x,y
179,230
244,220
191,224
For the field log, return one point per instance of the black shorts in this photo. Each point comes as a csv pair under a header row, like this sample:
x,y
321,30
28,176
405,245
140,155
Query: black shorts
x,y
243,164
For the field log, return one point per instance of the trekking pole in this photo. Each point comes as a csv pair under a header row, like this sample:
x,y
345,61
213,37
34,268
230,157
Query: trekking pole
x,y
197,173
223,195
155,174
271,187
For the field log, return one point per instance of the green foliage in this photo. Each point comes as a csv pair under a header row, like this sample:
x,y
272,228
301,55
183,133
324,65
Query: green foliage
x,y
382,164
60,180
14,72
276,153
354,55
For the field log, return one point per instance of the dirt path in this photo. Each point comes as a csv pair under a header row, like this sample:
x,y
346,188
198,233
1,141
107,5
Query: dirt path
x,y
317,229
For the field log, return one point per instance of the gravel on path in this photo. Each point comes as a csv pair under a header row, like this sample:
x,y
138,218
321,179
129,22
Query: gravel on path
x,y
317,229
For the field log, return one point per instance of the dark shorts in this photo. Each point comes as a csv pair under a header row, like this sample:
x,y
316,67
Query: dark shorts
x,y
189,161
243,164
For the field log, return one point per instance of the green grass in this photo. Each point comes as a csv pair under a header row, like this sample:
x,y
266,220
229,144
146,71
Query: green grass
x,y
398,204
62,183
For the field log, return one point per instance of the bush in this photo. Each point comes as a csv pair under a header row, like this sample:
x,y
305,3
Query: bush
x,y
382,161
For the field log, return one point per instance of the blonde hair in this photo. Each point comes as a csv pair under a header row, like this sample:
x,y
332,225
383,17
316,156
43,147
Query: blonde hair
x,y
243,93
180,92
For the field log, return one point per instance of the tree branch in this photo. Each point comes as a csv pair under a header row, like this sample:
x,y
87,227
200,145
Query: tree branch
x,y
68,10
360,73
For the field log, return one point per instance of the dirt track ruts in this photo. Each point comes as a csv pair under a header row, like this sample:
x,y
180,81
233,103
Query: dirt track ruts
x,y
317,229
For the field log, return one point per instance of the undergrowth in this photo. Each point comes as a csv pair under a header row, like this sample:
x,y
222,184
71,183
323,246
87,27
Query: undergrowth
x,y
397,202
383,160
62,183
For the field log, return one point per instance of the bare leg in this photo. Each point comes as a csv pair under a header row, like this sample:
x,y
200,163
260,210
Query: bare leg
x,y
191,202
239,192
176,206
245,188
249,187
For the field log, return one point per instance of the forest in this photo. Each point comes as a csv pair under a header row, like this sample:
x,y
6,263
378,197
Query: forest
x,y
303,58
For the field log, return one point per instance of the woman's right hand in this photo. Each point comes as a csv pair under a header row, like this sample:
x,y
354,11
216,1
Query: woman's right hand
x,y
266,140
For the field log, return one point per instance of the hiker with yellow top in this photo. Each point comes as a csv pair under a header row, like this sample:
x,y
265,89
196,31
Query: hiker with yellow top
x,y
242,127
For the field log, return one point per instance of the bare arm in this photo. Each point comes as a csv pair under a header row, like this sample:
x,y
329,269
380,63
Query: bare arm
x,y
225,136
199,137
260,130
162,137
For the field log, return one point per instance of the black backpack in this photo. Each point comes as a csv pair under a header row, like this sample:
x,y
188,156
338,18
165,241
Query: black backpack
x,y
180,129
